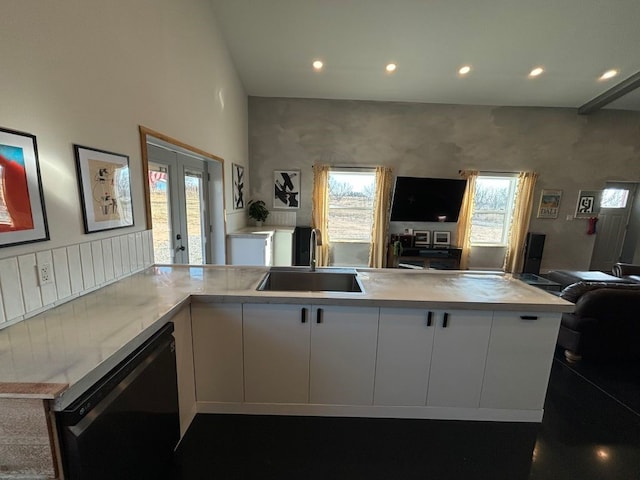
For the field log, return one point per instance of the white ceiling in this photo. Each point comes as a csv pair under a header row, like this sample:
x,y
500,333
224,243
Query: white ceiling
x,y
273,43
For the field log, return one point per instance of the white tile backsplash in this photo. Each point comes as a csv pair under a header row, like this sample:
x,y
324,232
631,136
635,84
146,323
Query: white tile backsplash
x,y
117,257
98,262
86,259
11,288
107,256
124,248
61,270
29,281
133,262
75,269
139,250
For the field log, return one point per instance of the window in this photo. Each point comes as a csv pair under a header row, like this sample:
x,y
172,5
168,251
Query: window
x,y
614,198
493,209
351,199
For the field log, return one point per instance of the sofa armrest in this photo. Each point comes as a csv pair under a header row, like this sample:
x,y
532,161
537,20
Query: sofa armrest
x,y
624,269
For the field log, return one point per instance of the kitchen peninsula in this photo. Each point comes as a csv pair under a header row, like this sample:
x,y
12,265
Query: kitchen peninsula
x,y
415,344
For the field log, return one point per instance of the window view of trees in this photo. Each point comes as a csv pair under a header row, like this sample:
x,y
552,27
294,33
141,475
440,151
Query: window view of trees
x,y
351,198
614,198
493,210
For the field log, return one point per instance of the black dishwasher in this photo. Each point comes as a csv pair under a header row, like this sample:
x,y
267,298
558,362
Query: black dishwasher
x,y
126,426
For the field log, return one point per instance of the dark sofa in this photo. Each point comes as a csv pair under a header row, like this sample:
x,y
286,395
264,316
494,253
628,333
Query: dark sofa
x,y
627,271
605,323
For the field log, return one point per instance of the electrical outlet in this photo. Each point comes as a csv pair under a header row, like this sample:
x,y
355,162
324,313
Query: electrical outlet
x,y
45,274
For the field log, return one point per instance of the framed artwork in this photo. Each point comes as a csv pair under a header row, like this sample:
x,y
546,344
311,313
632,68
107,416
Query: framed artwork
x,y
22,214
549,203
588,204
286,185
238,186
441,239
422,238
105,189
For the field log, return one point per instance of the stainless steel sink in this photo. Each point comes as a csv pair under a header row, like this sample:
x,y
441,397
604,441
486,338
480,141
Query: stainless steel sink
x,y
304,280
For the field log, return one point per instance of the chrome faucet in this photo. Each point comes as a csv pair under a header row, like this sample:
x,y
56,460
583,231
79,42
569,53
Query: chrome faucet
x,y
313,246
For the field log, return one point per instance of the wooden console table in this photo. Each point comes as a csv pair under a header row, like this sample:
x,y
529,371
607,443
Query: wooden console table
x,y
438,258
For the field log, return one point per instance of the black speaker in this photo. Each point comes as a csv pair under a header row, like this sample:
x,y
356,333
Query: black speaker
x,y
301,238
533,248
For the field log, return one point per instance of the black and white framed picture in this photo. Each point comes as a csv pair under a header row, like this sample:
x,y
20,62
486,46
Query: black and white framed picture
x,y
238,186
588,203
286,184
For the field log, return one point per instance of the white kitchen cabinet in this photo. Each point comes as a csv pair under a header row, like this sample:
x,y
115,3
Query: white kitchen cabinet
x,y
184,366
519,360
460,344
405,342
217,351
276,353
343,355
305,354
250,248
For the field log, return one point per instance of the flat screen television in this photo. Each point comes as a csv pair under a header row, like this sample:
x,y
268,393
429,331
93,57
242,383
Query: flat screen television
x,y
419,199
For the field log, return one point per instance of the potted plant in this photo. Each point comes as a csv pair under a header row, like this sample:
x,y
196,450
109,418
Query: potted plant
x,y
258,211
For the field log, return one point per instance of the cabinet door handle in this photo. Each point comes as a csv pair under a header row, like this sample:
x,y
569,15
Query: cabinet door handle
x,y
303,318
528,317
445,320
429,318
319,316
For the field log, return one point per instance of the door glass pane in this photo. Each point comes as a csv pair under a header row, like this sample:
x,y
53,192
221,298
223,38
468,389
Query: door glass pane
x,y
194,199
614,198
160,213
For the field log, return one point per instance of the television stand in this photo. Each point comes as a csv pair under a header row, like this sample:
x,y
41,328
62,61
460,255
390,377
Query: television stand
x,y
440,258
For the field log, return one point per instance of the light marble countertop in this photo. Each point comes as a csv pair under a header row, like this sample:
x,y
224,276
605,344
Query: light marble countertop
x,y
60,353
265,230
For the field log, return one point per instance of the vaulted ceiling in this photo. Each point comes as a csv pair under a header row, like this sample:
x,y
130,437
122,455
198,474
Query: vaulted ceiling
x,y
274,42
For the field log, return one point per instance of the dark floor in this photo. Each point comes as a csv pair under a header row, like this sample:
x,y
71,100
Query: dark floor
x,y
585,434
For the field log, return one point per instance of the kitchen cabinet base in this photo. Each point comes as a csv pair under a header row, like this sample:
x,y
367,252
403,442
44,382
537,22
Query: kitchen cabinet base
x,y
374,411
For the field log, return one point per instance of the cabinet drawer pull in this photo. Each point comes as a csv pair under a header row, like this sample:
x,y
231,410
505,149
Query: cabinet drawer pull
x,y
303,318
429,318
445,320
528,317
319,316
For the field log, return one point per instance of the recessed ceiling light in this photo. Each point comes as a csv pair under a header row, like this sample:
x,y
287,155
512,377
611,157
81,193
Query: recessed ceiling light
x,y
317,65
536,71
464,70
608,74
391,67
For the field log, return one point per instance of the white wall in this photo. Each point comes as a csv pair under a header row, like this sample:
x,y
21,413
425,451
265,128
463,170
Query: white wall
x,y
91,71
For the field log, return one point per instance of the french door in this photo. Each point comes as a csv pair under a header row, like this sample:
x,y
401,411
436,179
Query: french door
x,y
178,189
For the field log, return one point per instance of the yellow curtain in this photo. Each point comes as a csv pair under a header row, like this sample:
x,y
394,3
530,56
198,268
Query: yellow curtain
x,y
464,219
520,223
320,211
380,227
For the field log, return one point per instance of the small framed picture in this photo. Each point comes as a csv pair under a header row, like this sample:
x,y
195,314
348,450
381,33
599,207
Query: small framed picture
x,y
549,203
286,186
105,189
238,186
421,238
588,204
441,239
